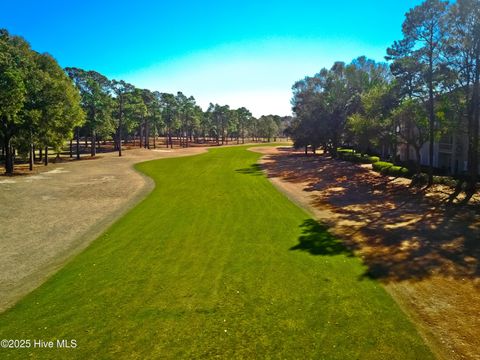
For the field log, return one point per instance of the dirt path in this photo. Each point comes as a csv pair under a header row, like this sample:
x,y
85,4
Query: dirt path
x,y
428,256
48,217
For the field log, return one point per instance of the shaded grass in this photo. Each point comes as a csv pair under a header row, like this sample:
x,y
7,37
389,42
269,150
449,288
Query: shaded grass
x,y
317,240
204,268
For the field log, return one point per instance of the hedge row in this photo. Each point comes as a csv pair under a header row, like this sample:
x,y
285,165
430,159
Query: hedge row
x,y
398,171
350,155
445,180
382,167
387,168
421,179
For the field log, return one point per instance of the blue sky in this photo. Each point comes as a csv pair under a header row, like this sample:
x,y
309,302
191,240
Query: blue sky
x,y
241,53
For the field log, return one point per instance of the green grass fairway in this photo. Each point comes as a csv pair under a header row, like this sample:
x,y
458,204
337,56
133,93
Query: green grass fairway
x,y
214,263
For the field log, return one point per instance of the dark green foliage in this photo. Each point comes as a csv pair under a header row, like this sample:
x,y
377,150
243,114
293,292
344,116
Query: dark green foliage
x,y
445,180
420,179
39,106
323,103
351,155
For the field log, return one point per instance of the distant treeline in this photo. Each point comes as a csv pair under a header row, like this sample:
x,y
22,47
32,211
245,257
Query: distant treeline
x,y
42,106
429,88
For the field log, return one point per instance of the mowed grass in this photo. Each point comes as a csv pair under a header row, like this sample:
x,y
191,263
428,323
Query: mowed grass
x,y
214,263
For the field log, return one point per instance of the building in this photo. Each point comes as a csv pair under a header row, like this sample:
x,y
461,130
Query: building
x,y
450,154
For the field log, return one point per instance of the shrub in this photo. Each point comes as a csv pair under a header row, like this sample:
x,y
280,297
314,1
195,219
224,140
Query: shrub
x,y
444,180
398,171
345,154
351,155
357,158
364,159
387,168
381,165
344,151
420,179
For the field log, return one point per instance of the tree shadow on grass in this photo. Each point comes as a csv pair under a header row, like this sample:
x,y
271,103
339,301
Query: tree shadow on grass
x,y
316,240
254,169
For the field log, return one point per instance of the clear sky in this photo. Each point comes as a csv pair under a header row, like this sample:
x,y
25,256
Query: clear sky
x,y
241,53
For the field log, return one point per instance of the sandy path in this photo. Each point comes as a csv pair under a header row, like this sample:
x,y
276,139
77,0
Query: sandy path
x,y
427,256
48,217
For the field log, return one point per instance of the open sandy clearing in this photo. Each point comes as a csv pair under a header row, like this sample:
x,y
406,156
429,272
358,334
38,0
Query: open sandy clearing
x,y
48,217
427,256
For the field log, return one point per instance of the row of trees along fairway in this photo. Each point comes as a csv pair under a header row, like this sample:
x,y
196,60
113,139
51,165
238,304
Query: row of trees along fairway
x,y
120,110
39,106
43,106
430,87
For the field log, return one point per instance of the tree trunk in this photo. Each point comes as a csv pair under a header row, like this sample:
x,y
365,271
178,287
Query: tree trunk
x,y
120,124
474,136
9,159
335,147
93,149
78,144
46,156
30,158
145,131
431,115
119,141
418,158
71,148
